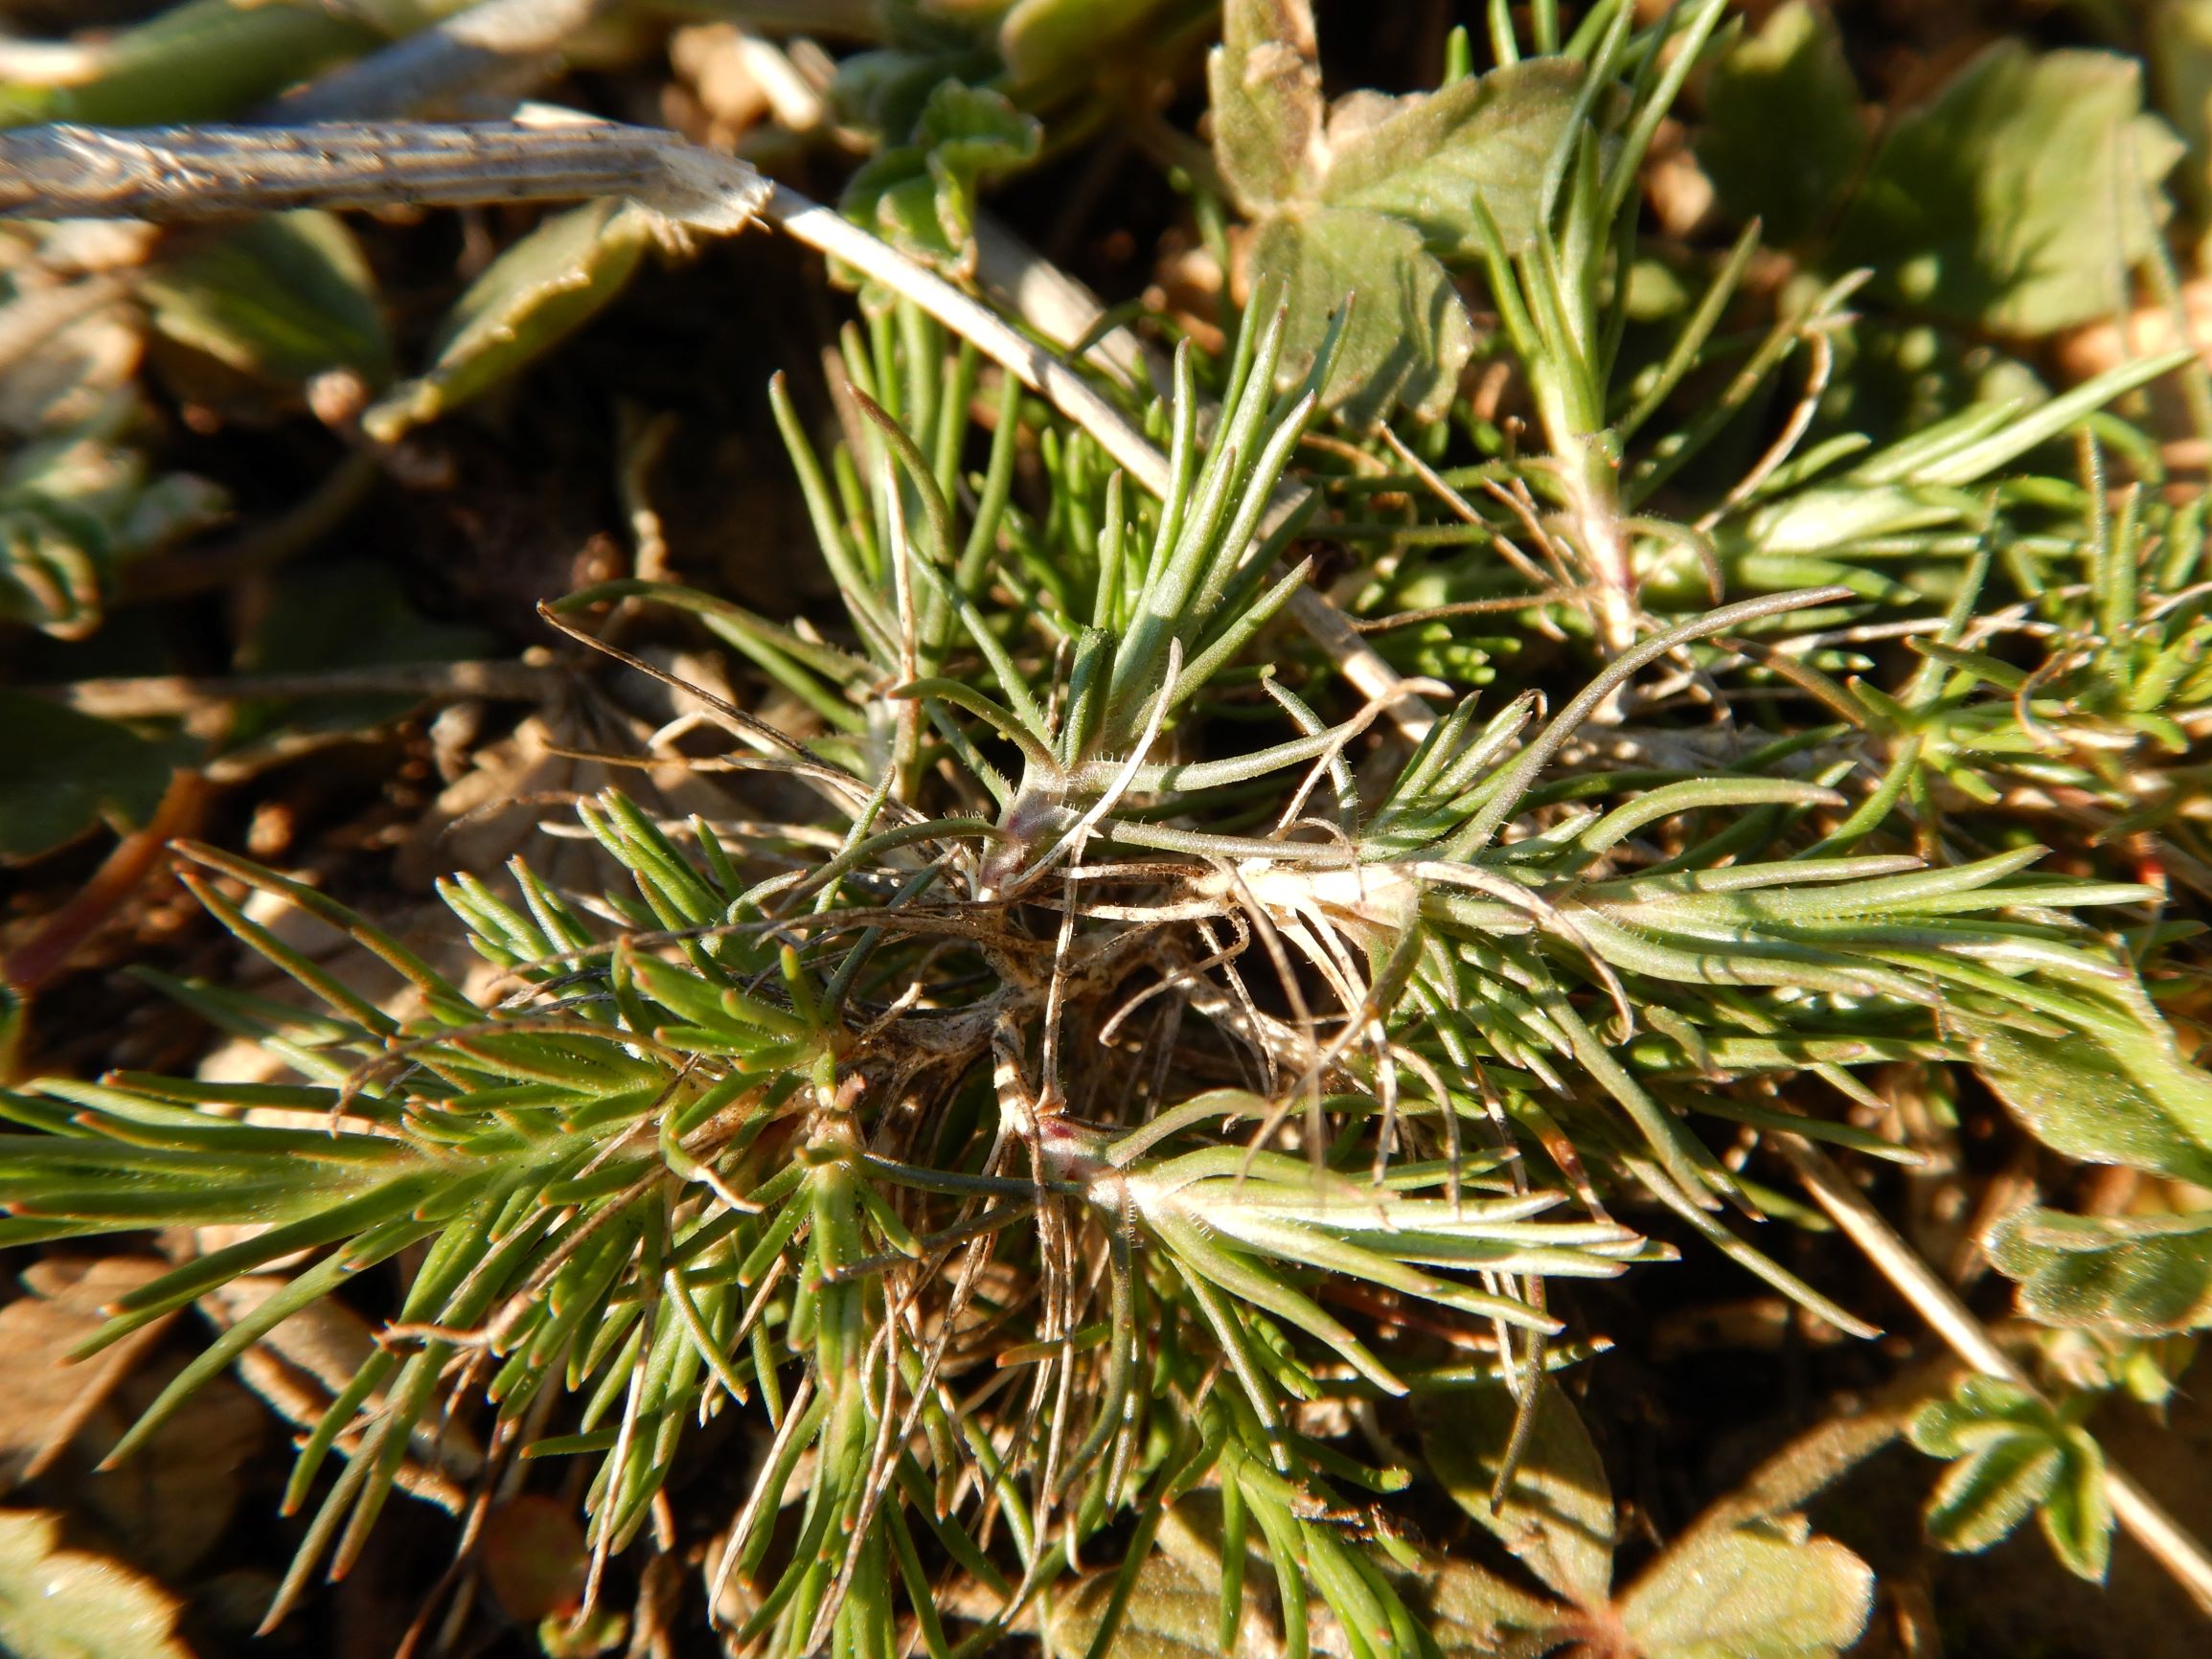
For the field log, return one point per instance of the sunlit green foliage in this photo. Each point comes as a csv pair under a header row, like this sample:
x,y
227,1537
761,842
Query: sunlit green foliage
x,y
1120,1049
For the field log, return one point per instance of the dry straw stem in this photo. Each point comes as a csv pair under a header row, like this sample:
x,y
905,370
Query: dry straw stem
x,y
2141,1515
196,172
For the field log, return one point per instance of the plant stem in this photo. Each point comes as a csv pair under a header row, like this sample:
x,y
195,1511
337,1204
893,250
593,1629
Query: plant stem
x,y
1593,487
2140,1516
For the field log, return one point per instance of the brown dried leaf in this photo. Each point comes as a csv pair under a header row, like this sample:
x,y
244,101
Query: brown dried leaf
x,y
44,1400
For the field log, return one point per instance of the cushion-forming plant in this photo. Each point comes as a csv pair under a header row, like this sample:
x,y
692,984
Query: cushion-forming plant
x,y
1139,1056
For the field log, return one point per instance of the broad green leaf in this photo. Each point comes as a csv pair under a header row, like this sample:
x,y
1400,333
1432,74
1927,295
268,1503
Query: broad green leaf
x,y
1477,1615
1427,158
284,298
1171,1614
527,300
1557,1518
1989,1490
1408,336
2017,200
1782,136
2105,1100
1265,78
1766,1592
2141,1275
1944,1428
66,772
2077,1514
61,1604
921,196
2011,1454
1365,207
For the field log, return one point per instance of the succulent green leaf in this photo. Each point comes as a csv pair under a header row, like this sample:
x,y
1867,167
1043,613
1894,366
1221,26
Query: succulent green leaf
x,y
711,1135
205,60
1918,484
2141,1275
529,298
1782,135
2017,200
